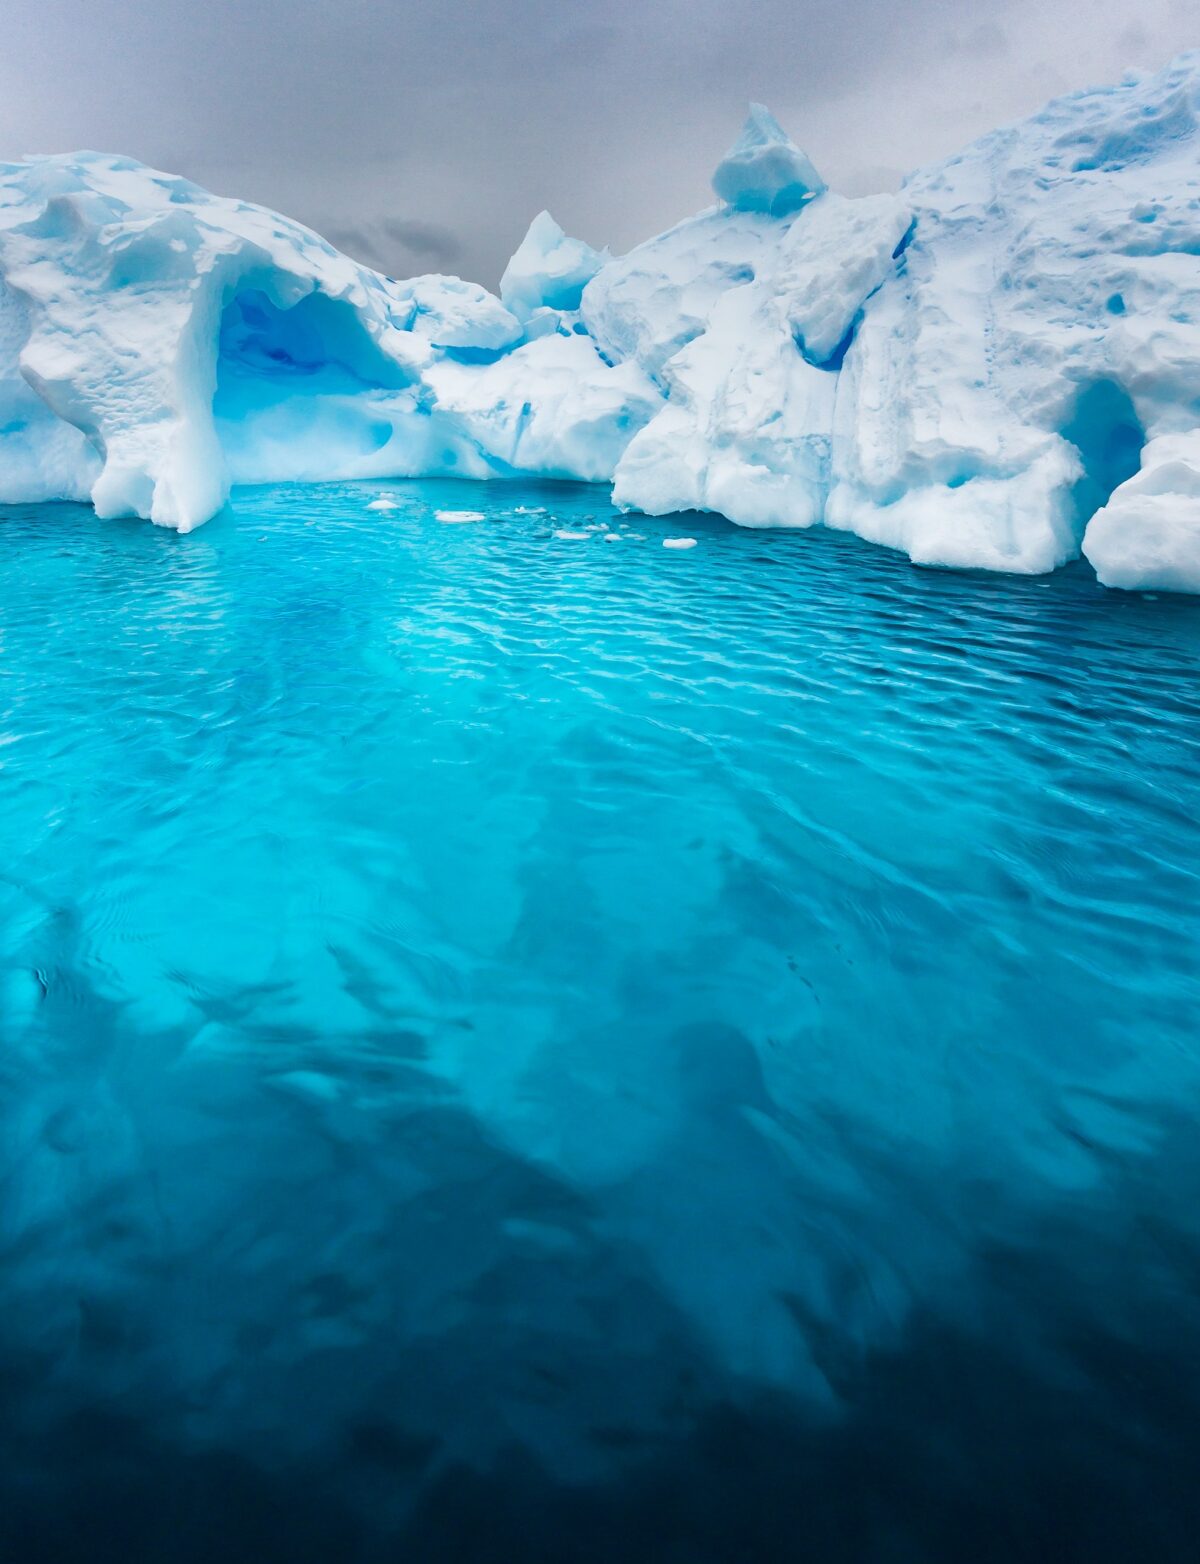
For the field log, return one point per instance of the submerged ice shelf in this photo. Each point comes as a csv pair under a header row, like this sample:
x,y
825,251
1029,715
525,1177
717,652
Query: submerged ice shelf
x,y
998,368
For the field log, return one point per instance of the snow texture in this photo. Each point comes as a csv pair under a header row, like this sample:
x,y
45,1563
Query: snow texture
x,y
998,368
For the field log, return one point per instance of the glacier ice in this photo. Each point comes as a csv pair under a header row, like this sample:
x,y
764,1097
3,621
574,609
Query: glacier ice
x,y
747,426
647,305
548,271
998,368
1148,535
161,343
764,171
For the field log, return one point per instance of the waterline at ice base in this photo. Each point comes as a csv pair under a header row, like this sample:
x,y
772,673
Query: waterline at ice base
x,y
998,368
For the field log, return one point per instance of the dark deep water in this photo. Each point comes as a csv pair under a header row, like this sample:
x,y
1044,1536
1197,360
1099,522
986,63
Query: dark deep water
x,y
528,1048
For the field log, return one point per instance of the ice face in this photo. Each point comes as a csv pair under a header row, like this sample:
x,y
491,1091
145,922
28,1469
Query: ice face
x,y
1033,336
996,370
764,171
748,425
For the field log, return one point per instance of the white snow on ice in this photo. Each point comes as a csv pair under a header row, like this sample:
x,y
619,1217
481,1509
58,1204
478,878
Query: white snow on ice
x,y
999,368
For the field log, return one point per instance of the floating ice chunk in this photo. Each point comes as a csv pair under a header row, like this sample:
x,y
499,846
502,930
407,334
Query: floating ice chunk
x,y
764,171
571,536
1148,535
383,503
679,543
612,537
548,270
459,515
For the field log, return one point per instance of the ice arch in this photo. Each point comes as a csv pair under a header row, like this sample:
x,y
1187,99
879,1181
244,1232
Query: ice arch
x,y
1105,429
305,381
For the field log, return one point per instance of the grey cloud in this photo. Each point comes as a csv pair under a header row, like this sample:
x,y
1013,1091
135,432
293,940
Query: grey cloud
x,y
428,134
987,38
395,245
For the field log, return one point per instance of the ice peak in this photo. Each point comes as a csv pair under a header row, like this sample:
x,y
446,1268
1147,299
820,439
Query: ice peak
x,y
548,270
764,170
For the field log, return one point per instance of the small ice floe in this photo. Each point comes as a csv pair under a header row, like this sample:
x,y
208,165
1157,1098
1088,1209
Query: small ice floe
x,y
612,537
383,503
459,515
569,536
529,510
679,543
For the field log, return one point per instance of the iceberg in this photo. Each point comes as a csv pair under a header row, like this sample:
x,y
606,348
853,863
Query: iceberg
x,y
158,343
1036,339
998,368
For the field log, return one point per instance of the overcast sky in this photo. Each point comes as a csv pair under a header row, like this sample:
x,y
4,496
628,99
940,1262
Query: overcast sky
x,y
423,136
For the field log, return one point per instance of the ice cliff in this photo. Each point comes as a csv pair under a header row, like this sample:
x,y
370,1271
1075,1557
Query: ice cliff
x,y
998,368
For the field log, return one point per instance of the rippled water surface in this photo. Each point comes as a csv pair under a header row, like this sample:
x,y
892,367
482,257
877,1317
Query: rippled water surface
x,y
535,1047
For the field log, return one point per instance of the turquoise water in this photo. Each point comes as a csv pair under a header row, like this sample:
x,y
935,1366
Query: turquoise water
x,y
520,1046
